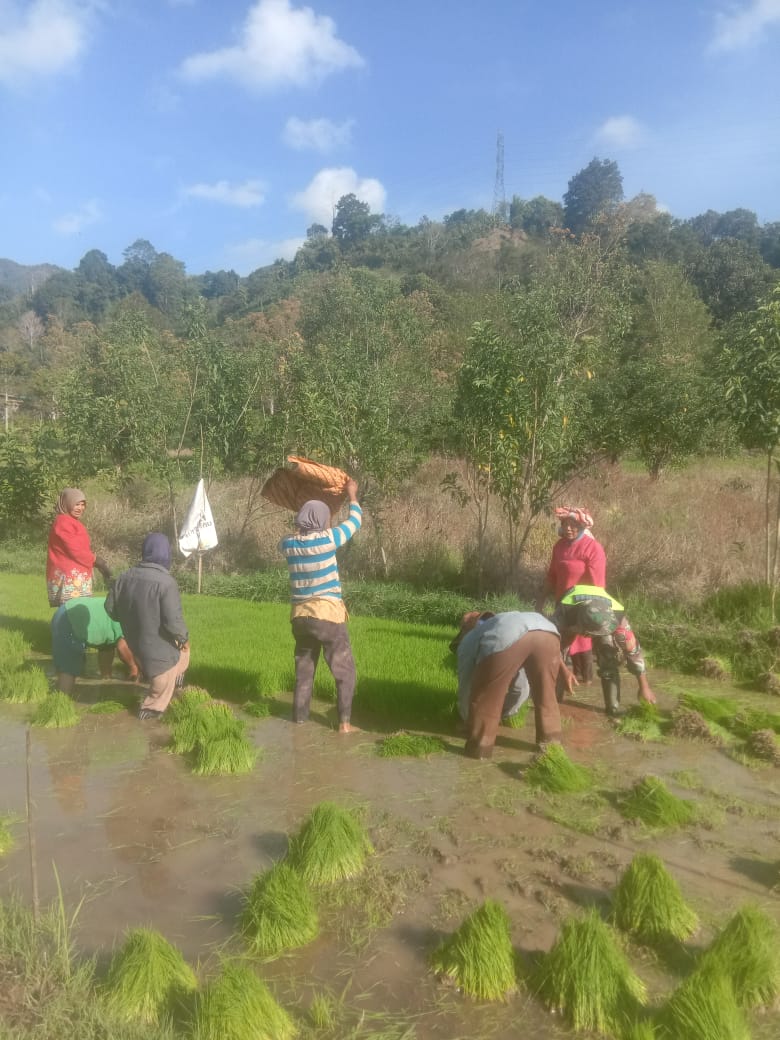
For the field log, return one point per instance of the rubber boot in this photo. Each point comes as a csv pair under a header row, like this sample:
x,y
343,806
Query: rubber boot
x,y
611,691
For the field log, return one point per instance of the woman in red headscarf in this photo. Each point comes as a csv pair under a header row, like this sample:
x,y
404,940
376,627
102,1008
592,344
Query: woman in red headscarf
x,y
577,559
70,560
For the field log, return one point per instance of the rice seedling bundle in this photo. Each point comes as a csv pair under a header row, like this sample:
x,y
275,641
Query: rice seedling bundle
x,y
722,710
703,1007
330,846
648,902
692,725
14,648
644,1030
106,708
147,977
747,952
651,802
553,771
752,720
7,841
190,698
279,913
518,720
238,1006
259,709
202,721
25,686
479,957
587,977
411,744
642,721
56,712
228,754
762,743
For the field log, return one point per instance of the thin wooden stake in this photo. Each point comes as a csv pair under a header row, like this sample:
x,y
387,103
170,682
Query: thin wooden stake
x,y
200,569
31,832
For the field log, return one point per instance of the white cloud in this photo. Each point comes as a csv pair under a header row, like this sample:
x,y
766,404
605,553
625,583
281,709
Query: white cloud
x,y
245,257
320,135
40,39
84,216
318,200
250,193
279,46
620,132
746,25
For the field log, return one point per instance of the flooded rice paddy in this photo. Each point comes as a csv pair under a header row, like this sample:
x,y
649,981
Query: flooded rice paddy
x,y
129,832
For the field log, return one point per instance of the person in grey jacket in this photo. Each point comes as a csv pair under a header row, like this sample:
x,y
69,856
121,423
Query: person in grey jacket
x,y
491,650
145,601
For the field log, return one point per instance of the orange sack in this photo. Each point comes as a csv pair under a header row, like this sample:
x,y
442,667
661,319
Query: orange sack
x,y
290,488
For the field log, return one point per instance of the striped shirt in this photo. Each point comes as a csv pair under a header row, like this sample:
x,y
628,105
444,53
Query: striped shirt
x,y
311,558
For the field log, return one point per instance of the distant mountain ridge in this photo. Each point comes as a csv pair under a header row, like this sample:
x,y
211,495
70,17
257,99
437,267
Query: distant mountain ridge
x,y
23,279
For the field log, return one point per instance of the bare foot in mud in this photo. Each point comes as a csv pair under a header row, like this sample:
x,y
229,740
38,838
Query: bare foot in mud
x,y
347,727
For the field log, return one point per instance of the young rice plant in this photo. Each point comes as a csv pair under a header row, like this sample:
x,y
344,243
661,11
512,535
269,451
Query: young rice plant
x,y
651,802
147,978
553,771
279,913
648,902
56,712
238,1006
747,951
413,745
703,1007
330,846
479,957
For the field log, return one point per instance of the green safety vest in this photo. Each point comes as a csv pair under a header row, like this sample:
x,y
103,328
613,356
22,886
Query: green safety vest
x,y
580,592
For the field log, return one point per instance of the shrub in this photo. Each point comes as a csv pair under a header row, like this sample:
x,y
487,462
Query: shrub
x,y
330,846
586,976
478,957
649,904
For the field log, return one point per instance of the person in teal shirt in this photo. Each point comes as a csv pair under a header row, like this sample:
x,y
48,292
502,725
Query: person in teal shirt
x,y
80,623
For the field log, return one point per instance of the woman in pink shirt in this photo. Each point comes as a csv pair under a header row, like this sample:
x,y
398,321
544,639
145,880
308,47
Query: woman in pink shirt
x,y
70,559
577,559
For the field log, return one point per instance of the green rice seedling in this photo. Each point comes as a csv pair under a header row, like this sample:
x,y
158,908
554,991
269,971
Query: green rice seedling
x,y
238,1006
224,753
750,720
147,978
106,708
479,957
7,840
747,951
259,709
56,712
587,977
518,720
722,710
201,722
648,902
190,698
643,1030
650,801
552,770
414,745
330,846
715,668
763,744
14,648
323,1011
643,721
25,686
279,913
691,725
703,1007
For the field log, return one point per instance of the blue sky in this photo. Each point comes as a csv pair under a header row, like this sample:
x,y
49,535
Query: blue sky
x,y
220,130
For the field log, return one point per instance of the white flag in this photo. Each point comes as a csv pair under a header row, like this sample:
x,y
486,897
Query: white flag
x,y
198,532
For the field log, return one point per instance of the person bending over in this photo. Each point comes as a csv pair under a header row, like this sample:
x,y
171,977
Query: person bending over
x,y
318,615
80,623
590,610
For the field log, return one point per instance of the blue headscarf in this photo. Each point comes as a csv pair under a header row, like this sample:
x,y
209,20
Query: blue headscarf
x,y
157,549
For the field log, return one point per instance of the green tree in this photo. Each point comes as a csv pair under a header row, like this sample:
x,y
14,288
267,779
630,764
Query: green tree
x,y
596,189
749,367
353,221
535,216
731,276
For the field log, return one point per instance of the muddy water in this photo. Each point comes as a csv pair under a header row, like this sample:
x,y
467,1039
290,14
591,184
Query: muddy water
x,y
141,840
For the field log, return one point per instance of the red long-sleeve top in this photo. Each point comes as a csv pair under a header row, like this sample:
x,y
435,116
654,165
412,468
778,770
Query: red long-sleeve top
x,y
581,562
69,547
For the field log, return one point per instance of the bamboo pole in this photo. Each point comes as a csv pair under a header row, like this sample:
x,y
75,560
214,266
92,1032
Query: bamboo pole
x,y
31,832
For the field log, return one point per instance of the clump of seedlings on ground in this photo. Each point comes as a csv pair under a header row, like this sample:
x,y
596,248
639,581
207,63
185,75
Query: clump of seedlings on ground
x,y
552,770
650,801
747,952
478,957
279,913
330,846
586,977
24,685
688,724
642,721
648,902
703,1007
763,744
148,978
7,841
57,711
106,708
258,709
413,745
210,734
238,1006
14,649
518,719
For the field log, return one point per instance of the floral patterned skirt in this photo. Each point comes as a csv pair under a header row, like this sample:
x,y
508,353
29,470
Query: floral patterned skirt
x,y
62,586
